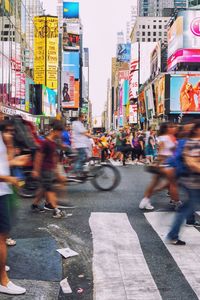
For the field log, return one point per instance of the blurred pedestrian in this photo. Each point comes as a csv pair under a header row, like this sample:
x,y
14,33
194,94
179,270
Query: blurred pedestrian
x,y
191,183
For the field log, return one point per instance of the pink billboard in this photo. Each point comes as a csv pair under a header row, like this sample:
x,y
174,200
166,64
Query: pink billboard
x,y
183,55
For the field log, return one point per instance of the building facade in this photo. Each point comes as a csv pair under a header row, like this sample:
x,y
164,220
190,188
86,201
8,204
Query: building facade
x,y
150,29
194,4
16,51
155,8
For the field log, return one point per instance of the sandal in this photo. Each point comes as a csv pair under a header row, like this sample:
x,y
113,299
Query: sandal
x,y
10,242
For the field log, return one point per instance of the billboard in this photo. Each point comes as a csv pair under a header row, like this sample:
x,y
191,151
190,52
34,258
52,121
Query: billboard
x,y
155,61
149,102
141,103
125,87
70,10
159,88
133,114
183,56
185,93
71,41
123,52
71,63
184,35
175,36
39,50
52,52
133,75
48,102
71,36
146,49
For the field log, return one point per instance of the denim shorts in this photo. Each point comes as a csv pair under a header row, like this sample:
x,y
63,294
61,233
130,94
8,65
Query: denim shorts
x,y
5,225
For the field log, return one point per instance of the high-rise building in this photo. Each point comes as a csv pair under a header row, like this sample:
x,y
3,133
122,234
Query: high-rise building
x,y
150,29
194,4
16,51
154,8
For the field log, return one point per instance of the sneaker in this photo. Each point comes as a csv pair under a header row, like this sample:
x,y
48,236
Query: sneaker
x,y
178,205
36,209
145,204
176,242
195,224
58,214
12,289
7,268
48,206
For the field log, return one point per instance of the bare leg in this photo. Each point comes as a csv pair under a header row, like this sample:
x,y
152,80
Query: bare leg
x,y
38,197
151,188
3,256
52,199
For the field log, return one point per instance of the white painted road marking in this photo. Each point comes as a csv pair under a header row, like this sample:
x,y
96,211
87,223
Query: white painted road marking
x,y
120,271
187,257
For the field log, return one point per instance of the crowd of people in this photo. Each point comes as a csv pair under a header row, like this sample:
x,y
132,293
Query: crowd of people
x,y
172,154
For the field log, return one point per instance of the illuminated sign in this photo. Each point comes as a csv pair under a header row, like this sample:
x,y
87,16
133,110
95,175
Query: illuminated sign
x,y
70,10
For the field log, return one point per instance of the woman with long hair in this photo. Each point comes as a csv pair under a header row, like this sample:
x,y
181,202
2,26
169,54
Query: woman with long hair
x,y
166,146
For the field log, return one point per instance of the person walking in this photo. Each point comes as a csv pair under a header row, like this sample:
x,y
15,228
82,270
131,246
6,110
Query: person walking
x,y
46,169
191,183
6,181
167,146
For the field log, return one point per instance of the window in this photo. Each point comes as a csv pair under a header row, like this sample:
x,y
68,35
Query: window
x,y
154,40
149,40
154,26
148,26
143,26
160,26
160,33
138,33
149,33
143,39
154,33
143,33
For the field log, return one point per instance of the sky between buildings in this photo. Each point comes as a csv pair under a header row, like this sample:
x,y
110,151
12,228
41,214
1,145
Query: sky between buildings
x,y
101,21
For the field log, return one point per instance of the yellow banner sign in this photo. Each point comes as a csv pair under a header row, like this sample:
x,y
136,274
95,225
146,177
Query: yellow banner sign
x,y
52,53
39,50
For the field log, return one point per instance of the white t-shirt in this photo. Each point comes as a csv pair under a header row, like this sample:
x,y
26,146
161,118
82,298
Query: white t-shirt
x,y
168,145
4,169
79,140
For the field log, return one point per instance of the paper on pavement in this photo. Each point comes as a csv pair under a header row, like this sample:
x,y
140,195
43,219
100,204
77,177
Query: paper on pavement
x,y
67,252
65,286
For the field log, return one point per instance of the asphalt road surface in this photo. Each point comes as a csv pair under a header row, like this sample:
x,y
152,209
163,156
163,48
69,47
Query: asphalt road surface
x,y
121,250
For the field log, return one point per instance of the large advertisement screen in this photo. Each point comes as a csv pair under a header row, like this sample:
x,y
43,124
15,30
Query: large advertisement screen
x,y
155,60
70,80
52,53
70,10
149,102
123,52
39,50
134,73
71,36
159,87
184,35
49,102
185,93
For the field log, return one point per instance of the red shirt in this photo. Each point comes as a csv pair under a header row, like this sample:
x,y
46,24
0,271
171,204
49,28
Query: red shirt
x,y
48,149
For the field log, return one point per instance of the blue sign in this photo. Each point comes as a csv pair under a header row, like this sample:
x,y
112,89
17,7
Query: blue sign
x,y
70,10
124,52
71,63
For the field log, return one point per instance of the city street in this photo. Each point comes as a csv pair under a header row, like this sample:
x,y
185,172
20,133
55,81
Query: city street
x,y
121,250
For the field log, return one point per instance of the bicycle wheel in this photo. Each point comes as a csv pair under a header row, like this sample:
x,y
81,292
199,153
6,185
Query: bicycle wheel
x,y
106,178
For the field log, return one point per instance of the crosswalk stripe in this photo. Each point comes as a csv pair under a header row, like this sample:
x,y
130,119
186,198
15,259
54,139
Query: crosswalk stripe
x,y
187,257
120,271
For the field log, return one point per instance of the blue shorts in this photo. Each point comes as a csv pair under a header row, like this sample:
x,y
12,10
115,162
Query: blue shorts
x,y
5,225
